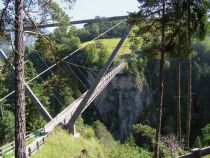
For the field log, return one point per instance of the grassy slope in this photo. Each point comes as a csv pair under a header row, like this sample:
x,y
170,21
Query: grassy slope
x,y
112,43
62,145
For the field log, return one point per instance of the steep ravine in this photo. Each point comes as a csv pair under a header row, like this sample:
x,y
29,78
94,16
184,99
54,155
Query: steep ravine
x,y
123,103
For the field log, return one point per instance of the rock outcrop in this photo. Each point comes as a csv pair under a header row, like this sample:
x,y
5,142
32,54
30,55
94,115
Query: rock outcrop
x,y
123,103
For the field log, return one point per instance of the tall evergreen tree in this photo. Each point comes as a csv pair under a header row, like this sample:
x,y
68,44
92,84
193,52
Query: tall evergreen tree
x,y
152,19
178,51
189,95
196,28
19,82
160,106
23,18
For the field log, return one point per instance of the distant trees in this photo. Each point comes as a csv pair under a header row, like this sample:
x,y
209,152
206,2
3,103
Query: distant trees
x,y
94,29
96,54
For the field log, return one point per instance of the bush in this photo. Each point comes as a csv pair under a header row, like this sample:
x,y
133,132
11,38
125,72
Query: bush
x,y
103,134
96,54
7,127
197,143
206,135
89,133
128,151
169,146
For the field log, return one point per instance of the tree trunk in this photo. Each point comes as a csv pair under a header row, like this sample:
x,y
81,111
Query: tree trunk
x,y
189,97
178,113
19,83
158,131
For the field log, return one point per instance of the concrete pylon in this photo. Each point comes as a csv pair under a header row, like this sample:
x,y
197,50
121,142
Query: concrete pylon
x,y
89,93
71,128
30,93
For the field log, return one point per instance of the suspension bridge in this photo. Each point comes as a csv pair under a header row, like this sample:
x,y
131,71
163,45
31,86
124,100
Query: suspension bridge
x,y
70,114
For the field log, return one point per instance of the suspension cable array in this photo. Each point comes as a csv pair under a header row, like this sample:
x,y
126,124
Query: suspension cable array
x,y
71,113
72,53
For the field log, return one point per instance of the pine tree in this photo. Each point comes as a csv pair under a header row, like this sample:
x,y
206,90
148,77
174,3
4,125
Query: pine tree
x,y
197,143
196,28
160,106
178,51
19,82
23,19
152,18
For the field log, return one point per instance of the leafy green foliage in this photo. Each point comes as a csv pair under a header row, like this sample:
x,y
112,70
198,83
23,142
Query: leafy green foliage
x,y
128,151
7,124
206,135
96,54
197,143
103,134
92,30
169,146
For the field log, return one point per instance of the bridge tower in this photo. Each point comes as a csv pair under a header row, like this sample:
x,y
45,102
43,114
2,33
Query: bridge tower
x,y
82,105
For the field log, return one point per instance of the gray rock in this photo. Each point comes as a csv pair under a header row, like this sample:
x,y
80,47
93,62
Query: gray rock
x,y
122,104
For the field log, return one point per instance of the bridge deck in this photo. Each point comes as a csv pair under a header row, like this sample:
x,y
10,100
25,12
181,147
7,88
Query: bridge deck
x,y
67,113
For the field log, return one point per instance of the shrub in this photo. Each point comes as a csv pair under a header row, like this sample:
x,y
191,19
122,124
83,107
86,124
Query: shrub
x,y
128,151
197,143
206,135
89,133
103,134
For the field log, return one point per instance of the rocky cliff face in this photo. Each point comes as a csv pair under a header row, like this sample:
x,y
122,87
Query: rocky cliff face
x,y
123,103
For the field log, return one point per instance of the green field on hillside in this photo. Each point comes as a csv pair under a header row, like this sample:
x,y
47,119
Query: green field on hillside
x,y
112,43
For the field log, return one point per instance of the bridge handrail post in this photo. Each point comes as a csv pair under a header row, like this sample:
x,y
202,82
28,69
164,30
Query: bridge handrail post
x,y
13,145
29,151
37,145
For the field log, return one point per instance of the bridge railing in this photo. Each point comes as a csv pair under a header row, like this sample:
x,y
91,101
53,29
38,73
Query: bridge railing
x,y
197,153
36,145
11,146
66,114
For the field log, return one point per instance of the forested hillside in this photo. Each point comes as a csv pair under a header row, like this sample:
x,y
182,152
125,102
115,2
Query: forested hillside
x,y
157,107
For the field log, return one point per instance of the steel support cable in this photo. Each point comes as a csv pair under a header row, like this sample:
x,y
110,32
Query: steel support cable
x,y
77,77
82,73
52,73
53,93
43,80
124,48
84,67
80,48
91,70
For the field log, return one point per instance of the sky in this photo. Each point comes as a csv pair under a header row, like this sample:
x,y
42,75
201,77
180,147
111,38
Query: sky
x,y
85,9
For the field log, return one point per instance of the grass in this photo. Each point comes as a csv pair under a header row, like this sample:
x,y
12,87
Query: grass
x,y
112,43
63,145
